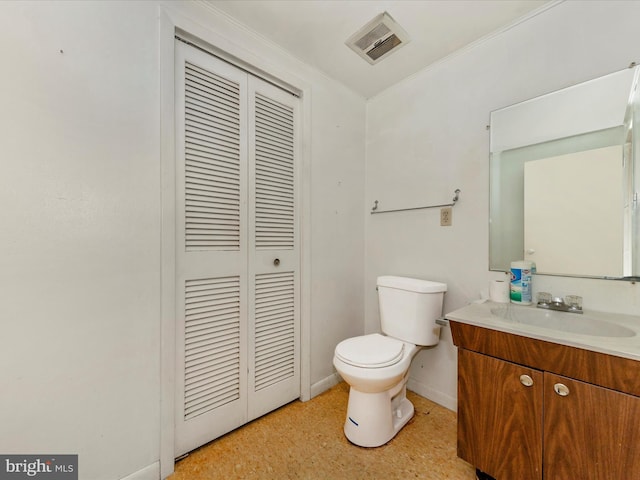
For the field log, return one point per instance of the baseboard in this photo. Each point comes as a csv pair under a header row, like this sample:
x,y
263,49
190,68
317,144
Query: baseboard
x,y
436,396
151,472
325,384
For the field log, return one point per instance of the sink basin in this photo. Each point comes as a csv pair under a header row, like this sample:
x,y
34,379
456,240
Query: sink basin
x,y
583,324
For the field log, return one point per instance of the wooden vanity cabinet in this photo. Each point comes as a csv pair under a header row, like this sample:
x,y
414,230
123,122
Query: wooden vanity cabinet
x,y
499,419
554,425
591,433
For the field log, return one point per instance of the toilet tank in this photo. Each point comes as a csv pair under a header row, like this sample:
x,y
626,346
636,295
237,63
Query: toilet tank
x,y
409,308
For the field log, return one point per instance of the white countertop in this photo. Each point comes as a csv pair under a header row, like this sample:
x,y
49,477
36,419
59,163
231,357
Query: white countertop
x,y
503,317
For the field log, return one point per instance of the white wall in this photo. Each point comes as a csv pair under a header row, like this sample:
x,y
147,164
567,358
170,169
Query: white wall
x,y
80,234
337,230
426,137
81,206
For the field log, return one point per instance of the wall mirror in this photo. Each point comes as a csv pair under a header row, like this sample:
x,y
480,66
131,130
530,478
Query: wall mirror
x,y
563,181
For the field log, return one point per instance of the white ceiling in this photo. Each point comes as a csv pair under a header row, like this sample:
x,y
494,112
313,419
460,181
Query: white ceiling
x,y
314,31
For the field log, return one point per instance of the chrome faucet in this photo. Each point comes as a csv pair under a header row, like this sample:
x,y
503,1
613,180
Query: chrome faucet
x,y
570,303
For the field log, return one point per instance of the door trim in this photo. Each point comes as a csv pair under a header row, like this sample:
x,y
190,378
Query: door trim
x,y
170,23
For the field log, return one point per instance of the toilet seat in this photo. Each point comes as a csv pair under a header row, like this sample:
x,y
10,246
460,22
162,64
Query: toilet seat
x,y
370,351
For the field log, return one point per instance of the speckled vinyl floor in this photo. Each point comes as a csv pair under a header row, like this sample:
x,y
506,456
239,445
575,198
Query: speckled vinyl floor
x,y
306,441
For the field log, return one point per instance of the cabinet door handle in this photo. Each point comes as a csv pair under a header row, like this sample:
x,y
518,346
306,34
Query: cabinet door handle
x,y
526,380
561,389
276,262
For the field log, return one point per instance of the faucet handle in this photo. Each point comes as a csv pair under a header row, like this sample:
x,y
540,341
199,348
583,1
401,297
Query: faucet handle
x,y
574,302
544,298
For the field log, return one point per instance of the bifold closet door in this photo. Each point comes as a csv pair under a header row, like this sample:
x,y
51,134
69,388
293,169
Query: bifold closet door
x,y
274,319
211,246
237,255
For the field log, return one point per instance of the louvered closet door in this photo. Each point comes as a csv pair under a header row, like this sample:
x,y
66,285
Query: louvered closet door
x,y
237,258
211,244
274,319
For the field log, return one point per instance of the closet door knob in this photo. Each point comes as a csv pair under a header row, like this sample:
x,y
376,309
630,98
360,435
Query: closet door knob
x,y
276,262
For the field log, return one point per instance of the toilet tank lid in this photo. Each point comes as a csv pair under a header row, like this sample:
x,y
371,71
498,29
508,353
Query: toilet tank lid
x,y
411,284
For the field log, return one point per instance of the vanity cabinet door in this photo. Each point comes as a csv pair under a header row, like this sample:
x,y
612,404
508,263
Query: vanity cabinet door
x,y
500,416
590,432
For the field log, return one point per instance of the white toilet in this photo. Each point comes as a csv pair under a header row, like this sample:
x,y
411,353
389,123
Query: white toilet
x,y
377,366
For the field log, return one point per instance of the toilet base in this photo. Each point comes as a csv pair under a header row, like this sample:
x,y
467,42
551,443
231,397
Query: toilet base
x,y
375,418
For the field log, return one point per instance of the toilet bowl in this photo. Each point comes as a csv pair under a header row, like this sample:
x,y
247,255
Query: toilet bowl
x,y
378,407
377,366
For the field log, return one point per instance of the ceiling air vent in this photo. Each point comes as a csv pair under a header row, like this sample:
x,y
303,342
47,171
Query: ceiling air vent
x,y
378,38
